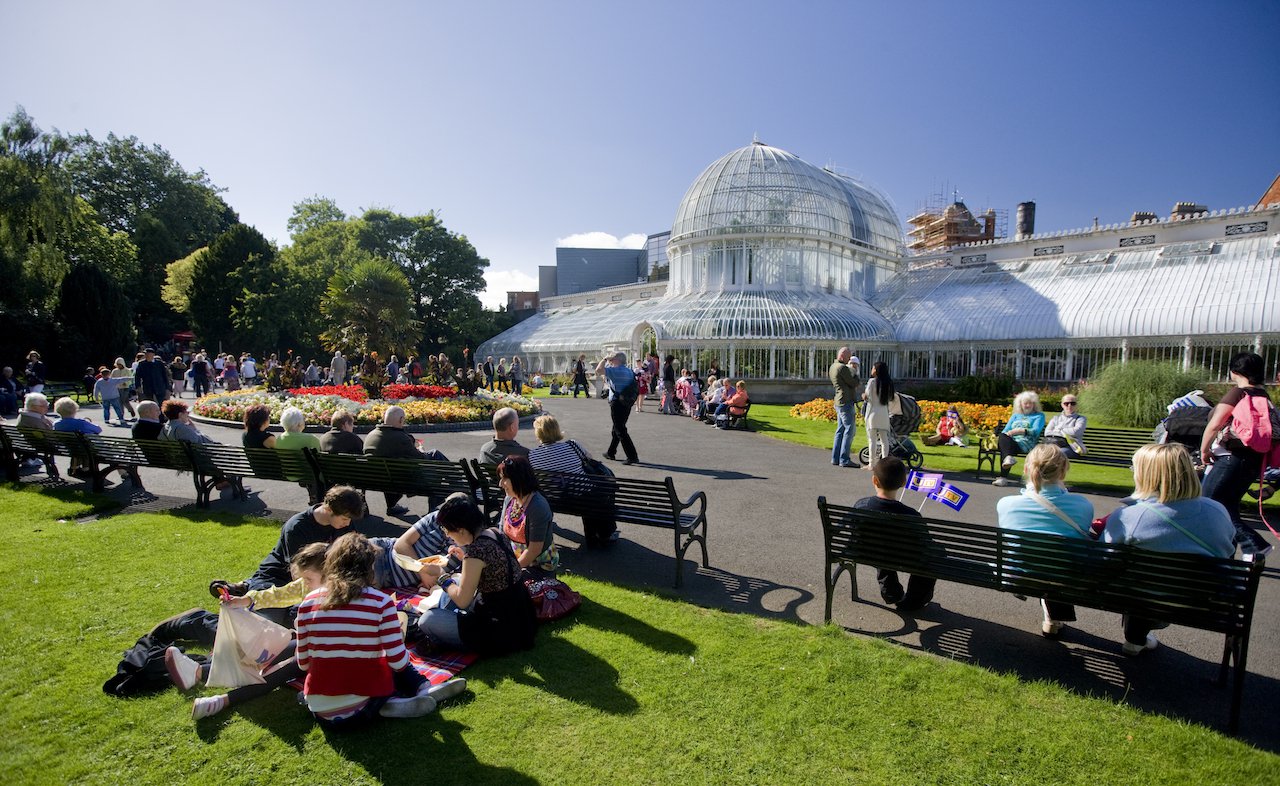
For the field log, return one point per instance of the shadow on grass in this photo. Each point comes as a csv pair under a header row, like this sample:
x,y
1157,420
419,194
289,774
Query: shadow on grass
x,y
1165,681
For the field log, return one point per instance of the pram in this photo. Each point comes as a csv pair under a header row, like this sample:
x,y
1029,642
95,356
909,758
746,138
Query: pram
x,y
901,427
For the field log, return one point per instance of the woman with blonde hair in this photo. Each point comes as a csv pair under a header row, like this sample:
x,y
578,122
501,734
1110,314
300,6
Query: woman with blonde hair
x,y
1020,434
1167,514
1046,506
557,454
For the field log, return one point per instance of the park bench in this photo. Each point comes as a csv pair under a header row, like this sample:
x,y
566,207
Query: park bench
x,y
1200,592
213,463
648,503
72,390
423,477
42,444
1107,447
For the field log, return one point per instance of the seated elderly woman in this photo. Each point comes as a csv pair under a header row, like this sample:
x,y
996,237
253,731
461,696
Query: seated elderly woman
x,y
1046,506
1066,430
294,423
256,420
557,454
178,426
734,404
69,411
1020,434
486,607
1167,514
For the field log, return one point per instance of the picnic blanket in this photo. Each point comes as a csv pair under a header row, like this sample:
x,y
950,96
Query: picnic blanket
x,y
439,666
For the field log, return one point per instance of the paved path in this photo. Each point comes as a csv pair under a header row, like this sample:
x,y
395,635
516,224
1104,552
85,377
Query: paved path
x,y
765,544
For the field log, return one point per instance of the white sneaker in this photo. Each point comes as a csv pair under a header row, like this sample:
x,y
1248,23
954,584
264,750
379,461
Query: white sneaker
x,y
1138,649
447,690
1002,482
184,672
1009,461
411,707
207,706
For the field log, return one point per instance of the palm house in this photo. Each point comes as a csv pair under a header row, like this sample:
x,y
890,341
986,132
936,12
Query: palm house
x,y
774,263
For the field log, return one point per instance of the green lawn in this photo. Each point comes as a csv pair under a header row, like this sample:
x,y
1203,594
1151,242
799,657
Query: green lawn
x,y
636,688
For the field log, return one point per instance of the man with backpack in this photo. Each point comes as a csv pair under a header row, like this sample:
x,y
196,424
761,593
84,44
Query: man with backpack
x,y
623,391
1238,443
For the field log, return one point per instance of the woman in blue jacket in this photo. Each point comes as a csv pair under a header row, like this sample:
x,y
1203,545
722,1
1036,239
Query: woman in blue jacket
x,y
1020,434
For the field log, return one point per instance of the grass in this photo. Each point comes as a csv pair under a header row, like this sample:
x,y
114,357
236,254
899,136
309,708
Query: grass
x,y
635,688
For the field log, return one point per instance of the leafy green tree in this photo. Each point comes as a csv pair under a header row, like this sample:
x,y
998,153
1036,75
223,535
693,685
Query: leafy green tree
x,y
166,211
312,213
94,316
443,269
36,209
366,307
217,282
179,278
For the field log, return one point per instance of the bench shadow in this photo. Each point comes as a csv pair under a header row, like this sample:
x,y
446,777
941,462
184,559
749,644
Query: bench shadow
x,y
718,474
1165,681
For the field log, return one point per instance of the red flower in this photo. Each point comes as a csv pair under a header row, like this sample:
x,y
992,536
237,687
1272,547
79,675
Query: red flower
x,y
397,392
352,392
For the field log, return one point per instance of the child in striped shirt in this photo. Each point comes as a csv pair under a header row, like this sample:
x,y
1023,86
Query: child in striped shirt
x,y
351,647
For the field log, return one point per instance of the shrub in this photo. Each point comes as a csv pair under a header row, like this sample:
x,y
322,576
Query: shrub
x,y
1137,393
985,389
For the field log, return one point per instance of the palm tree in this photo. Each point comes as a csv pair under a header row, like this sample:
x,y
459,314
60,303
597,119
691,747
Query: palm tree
x,y
369,306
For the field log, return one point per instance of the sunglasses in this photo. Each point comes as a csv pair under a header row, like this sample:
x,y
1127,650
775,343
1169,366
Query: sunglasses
x,y
1069,403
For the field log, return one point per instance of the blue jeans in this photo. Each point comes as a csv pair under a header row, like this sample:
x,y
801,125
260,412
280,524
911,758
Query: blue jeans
x,y
846,430
1226,483
112,403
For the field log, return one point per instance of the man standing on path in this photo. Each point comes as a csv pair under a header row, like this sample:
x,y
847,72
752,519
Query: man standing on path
x,y
152,378
338,368
847,384
623,390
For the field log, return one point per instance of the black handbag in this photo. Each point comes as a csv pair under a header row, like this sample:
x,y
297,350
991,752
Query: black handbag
x,y
591,466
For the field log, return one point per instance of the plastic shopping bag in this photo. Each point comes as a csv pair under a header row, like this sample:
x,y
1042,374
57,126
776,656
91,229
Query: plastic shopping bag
x,y
245,644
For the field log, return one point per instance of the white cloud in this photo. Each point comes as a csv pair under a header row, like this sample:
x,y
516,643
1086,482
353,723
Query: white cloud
x,y
499,282
602,240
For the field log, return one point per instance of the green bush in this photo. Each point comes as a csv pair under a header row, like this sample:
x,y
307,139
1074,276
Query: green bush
x,y
985,389
1137,393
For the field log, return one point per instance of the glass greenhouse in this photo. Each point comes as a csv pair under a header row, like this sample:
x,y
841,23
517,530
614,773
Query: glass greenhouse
x,y
775,263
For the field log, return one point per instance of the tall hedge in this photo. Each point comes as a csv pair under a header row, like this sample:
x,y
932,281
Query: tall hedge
x,y
1137,393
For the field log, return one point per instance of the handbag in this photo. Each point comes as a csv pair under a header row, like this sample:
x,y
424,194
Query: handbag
x,y
245,644
591,466
552,598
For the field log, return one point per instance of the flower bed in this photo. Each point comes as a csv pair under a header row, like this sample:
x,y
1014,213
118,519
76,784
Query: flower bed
x,y
319,407
979,417
352,392
400,392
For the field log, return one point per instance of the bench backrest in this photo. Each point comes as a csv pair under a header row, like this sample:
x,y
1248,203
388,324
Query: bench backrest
x,y
424,477
62,443
1114,444
628,500
1202,592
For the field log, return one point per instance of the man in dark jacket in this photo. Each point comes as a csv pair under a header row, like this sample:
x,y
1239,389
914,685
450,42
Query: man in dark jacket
x,y
341,436
390,440
152,378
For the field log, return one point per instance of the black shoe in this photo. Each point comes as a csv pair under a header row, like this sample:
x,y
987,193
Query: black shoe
x,y
892,597
397,510
238,588
611,456
630,461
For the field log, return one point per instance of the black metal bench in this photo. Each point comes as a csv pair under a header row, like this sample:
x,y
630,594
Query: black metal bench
x,y
1200,592
1107,447
213,463
424,477
648,503
39,443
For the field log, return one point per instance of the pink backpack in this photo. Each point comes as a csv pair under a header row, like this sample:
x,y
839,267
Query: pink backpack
x,y
1251,423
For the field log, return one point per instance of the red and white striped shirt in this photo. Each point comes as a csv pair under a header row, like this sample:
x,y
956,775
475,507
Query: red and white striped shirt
x,y
350,650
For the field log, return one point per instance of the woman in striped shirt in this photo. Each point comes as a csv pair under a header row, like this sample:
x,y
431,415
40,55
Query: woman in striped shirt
x,y
350,645
557,454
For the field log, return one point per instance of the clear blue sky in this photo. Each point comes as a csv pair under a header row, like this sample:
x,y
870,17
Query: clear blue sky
x,y
523,123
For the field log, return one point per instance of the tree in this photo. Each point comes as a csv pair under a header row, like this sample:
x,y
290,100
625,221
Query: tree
x,y
314,212
166,211
94,316
443,269
179,278
217,282
367,307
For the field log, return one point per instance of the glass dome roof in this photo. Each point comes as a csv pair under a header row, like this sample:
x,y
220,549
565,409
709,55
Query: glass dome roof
x,y
764,190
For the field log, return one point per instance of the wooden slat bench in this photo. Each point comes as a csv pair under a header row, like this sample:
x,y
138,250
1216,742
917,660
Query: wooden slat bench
x,y
1107,447
424,477
648,503
42,444
214,462
1200,592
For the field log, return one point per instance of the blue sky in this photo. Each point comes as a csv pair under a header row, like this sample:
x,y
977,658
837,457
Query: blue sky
x,y
526,123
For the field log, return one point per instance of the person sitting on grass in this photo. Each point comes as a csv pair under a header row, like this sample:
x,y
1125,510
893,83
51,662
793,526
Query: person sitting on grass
x,y
1046,506
486,607
307,567
320,524
1020,434
888,476
351,647
950,430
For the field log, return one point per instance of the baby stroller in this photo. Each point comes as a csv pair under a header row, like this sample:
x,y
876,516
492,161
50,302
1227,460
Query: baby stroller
x,y
901,427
